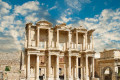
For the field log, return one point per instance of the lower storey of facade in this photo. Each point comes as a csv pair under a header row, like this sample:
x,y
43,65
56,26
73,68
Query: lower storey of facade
x,y
54,65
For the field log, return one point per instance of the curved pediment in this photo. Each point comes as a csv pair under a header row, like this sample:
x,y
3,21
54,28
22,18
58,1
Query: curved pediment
x,y
62,26
44,23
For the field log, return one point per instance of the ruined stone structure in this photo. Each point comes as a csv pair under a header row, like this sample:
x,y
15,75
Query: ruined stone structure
x,y
60,52
108,65
10,65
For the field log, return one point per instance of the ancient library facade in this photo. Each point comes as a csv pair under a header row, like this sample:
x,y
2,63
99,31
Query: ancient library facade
x,y
58,53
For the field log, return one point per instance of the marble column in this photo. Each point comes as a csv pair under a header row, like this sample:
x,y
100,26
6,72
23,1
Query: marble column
x,y
37,67
38,36
76,68
84,42
92,42
28,67
49,42
29,35
64,72
76,40
48,71
57,67
86,45
87,74
69,68
58,38
93,67
69,39
81,64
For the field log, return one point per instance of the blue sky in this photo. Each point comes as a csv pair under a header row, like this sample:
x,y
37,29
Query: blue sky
x,y
102,15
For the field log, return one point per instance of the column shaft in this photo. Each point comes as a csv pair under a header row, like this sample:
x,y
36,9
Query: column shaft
x,y
49,43
76,40
92,42
81,64
87,75
49,67
57,67
38,36
28,67
37,67
76,67
69,38
86,46
29,36
58,38
93,67
69,65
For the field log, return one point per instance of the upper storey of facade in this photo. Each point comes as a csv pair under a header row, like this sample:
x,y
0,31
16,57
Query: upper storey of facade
x,y
43,36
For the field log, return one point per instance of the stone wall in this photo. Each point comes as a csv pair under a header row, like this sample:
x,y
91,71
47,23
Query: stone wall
x,y
14,62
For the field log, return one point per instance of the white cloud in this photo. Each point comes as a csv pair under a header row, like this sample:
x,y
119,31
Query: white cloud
x,y
27,7
76,4
54,7
4,7
106,27
31,18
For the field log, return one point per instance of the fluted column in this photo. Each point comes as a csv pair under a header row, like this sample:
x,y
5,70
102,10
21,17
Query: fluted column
x,y
37,67
28,67
87,74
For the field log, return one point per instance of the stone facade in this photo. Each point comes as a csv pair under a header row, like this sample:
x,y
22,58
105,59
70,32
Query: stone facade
x,y
13,61
108,65
60,52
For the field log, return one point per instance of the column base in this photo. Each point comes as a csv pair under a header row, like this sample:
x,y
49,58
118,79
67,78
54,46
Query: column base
x,y
49,78
87,78
69,78
77,79
57,78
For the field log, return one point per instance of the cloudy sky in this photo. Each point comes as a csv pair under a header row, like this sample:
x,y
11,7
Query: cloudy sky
x,y
101,15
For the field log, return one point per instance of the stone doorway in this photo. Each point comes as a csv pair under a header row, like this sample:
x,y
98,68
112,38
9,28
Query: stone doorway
x,y
107,75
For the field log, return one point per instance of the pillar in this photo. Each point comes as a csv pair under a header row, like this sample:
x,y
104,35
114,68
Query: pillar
x,y
81,64
93,67
76,68
76,40
57,67
28,67
48,71
92,42
87,74
58,38
69,68
37,67
86,46
38,36
84,42
29,36
69,39
49,42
